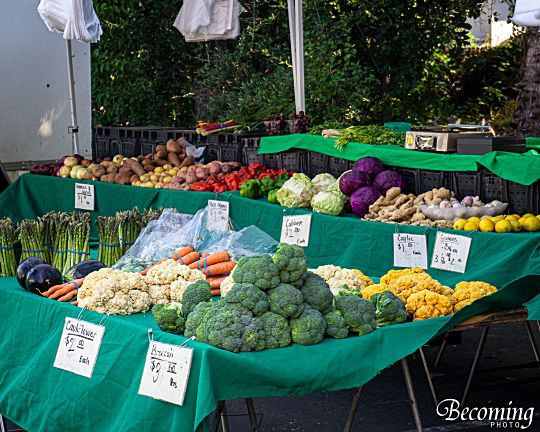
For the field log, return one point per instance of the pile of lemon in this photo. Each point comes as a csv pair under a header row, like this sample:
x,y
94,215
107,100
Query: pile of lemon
x,y
500,224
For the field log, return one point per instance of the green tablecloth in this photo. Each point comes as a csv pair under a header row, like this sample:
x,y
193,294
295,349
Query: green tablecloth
x,y
342,240
533,307
520,168
39,397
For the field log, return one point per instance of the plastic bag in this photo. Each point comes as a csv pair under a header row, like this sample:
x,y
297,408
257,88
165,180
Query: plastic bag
x,y
197,234
191,150
248,241
158,240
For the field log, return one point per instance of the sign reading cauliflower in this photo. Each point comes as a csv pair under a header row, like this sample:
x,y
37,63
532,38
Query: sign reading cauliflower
x,y
114,292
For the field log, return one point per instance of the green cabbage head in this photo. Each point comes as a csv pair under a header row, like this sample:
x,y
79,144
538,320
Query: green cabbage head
x,y
329,203
296,192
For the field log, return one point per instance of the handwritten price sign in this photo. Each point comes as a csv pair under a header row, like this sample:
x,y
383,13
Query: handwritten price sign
x,y
410,250
218,215
84,196
295,230
166,372
79,347
451,252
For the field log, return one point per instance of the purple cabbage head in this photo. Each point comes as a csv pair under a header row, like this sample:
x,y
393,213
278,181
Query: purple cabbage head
x,y
351,181
362,199
389,179
370,165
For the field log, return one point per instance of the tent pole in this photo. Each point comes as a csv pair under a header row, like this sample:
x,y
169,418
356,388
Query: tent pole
x,y
300,55
74,126
292,33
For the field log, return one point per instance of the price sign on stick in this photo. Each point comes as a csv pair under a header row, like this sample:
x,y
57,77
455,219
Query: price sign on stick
x,y
84,196
410,250
451,252
295,230
218,215
79,347
166,372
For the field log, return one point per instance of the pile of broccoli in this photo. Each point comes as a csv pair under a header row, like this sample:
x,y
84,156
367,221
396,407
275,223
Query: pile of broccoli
x,y
274,302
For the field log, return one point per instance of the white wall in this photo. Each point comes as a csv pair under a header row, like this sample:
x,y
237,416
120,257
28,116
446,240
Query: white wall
x,y
34,85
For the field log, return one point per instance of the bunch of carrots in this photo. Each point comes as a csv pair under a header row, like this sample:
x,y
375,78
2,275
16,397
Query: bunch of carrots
x,y
216,266
64,292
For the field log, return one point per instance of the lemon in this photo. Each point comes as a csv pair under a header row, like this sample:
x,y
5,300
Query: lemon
x,y
516,227
497,218
474,219
526,215
486,225
511,218
522,222
517,216
503,227
538,216
470,226
459,224
532,224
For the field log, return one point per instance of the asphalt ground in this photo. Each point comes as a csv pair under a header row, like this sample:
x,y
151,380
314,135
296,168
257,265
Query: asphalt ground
x,y
384,406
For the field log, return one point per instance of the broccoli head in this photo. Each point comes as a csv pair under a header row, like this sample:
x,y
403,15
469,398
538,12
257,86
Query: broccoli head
x,y
258,270
291,263
198,316
249,297
336,326
316,292
195,293
276,330
389,309
308,328
231,328
169,317
359,313
286,300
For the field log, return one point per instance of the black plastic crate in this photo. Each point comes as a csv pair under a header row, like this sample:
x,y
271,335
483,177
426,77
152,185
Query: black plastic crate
x,y
412,177
148,146
337,166
100,147
466,183
130,147
150,135
293,160
520,198
115,146
491,187
216,138
429,180
250,149
128,133
316,163
272,160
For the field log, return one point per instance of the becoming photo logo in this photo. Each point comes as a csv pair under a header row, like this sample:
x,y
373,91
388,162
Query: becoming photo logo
x,y
504,418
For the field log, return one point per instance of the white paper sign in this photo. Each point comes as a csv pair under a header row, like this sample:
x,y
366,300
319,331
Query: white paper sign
x,y
410,250
79,347
166,372
84,196
217,216
295,230
451,252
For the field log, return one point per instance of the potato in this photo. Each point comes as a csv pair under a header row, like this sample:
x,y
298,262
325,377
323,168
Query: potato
x,y
112,169
137,183
189,160
149,168
158,185
183,169
154,177
172,172
145,178
167,179
161,147
147,162
159,170
167,167
135,166
160,162
134,178
118,159
86,163
64,171
173,146
162,154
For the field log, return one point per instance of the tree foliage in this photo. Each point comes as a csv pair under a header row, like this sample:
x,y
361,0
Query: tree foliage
x,y
365,62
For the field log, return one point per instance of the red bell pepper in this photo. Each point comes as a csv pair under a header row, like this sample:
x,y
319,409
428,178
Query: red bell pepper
x,y
232,181
219,188
200,187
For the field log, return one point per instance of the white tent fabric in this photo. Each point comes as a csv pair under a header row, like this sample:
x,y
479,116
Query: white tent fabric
x,y
527,13
204,20
76,20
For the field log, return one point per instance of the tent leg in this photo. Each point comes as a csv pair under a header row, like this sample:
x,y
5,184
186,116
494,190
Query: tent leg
x,y
533,342
412,396
352,410
474,366
224,419
3,424
428,376
74,128
441,350
252,415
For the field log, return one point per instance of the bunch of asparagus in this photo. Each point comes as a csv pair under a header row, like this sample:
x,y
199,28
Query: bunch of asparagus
x,y
8,236
78,245
110,249
30,233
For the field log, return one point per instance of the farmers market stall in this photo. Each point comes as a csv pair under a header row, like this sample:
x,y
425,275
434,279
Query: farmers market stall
x,y
496,258
31,385
501,163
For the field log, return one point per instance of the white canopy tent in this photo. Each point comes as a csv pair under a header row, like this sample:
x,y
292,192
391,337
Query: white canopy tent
x,y
76,20
527,13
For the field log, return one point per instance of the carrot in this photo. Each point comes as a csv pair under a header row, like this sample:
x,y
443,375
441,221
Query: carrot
x,y
219,269
75,303
68,296
182,252
61,292
204,255
216,292
215,281
188,259
214,258
74,284
143,273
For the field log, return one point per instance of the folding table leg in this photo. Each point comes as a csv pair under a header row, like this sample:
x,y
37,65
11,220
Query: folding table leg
x,y
252,415
412,396
224,419
217,415
441,350
3,424
352,410
474,366
428,376
533,342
